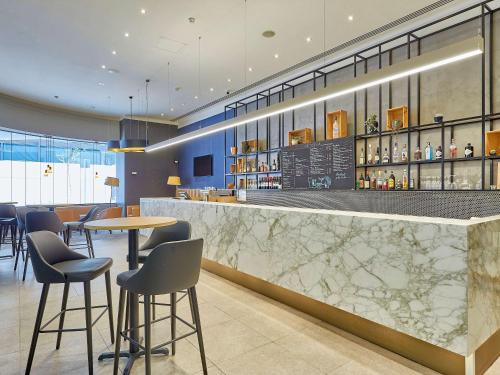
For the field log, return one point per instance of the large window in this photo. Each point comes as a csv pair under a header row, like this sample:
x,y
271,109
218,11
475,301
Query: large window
x,y
38,169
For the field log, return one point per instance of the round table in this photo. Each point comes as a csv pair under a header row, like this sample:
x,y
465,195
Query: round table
x,y
132,224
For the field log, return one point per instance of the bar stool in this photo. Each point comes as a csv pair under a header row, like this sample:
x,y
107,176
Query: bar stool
x,y
70,226
37,221
171,267
54,262
8,221
21,228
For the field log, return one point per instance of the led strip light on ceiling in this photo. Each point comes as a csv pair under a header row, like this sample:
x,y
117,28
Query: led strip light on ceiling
x,y
418,64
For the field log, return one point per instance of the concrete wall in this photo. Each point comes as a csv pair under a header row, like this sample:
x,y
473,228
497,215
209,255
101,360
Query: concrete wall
x,y
21,115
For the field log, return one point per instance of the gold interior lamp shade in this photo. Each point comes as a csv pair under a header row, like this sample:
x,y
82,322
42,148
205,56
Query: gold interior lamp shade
x,y
174,180
112,181
132,145
113,145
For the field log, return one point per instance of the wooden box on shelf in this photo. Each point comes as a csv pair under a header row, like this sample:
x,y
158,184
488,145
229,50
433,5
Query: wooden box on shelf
x,y
397,113
250,145
492,142
303,135
341,117
241,165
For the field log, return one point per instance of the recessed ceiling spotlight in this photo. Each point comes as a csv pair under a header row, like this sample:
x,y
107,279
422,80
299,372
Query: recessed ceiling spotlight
x,y
196,96
268,34
308,39
276,55
113,52
350,17
192,20
171,109
162,114
113,71
143,11
126,34
211,89
183,104
103,66
229,79
250,69
100,83
178,88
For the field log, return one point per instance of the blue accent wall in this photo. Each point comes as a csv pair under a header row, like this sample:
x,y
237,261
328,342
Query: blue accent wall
x,y
211,144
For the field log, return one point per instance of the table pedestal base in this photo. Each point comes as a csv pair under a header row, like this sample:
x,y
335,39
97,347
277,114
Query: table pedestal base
x,y
131,357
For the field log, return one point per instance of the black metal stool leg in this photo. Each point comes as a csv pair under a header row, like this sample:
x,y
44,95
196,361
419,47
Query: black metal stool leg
x,y
38,323
19,249
194,301
110,306
26,265
63,313
13,238
126,315
191,307
147,333
121,305
88,325
173,318
153,301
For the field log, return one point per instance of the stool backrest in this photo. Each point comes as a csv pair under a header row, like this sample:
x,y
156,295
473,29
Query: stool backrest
x,y
91,215
43,220
171,267
7,211
180,231
45,249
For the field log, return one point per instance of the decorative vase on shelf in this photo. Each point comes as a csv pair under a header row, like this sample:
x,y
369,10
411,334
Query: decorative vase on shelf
x,y
234,150
295,141
371,124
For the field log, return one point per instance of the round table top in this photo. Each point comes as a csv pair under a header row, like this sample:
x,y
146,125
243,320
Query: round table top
x,y
137,222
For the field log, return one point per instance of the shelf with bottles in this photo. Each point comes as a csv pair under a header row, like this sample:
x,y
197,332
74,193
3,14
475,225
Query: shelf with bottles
x,y
253,154
252,173
386,181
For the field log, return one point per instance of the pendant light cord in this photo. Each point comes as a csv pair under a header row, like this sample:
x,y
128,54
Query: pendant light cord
x,y
199,66
147,109
131,118
245,63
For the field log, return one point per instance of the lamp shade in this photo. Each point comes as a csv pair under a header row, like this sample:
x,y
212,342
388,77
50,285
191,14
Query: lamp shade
x,y
132,145
114,145
112,181
174,180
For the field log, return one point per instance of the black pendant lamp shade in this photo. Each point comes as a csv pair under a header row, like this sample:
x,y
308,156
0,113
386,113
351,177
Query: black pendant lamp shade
x,y
114,145
128,144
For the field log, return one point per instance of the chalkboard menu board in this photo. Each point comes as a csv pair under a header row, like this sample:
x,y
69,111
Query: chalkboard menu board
x,y
322,165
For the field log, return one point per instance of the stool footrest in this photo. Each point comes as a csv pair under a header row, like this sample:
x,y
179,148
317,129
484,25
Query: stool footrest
x,y
104,307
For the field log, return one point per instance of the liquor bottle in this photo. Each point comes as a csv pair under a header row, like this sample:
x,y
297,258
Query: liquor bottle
x,y
404,153
392,181
369,157
405,180
418,154
411,184
428,151
279,162
274,164
385,157
380,180
385,185
335,128
399,185
453,149
362,157
367,182
395,153
377,156
439,153
373,181
469,151
360,184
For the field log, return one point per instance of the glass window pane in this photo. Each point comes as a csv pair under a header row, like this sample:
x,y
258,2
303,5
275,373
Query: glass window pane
x,y
19,168
60,166
46,171
32,169
5,166
74,150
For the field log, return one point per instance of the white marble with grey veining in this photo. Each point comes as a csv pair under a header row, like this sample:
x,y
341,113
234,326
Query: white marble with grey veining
x,y
411,274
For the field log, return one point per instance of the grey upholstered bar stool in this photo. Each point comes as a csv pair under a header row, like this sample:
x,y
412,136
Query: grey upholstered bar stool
x,y
54,263
171,267
8,221
37,221
21,228
70,226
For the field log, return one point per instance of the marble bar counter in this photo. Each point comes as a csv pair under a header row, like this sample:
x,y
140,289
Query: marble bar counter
x,y
433,281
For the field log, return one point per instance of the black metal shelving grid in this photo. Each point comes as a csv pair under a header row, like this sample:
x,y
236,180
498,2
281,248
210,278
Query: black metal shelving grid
x,y
411,39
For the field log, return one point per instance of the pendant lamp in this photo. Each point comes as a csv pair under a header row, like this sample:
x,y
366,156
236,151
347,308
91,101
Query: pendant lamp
x,y
131,144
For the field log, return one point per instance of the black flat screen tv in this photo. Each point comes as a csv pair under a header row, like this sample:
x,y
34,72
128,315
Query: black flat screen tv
x,y
202,165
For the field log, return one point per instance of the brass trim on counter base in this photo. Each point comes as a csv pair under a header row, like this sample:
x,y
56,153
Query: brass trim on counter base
x,y
419,351
487,353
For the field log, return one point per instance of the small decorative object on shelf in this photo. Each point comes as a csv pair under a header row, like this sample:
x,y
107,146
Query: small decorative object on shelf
x,y
234,150
370,156
493,152
362,157
428,151
360,184
232,168
377,157
453,149
469,151
395,153
392,181
295,141
439,153
301,136
404,153
385,157
405,180
417,155
371,124
336,124
438,118
249,146
397,118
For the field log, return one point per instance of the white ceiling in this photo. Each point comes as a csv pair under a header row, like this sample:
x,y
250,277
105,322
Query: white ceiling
x,y
57,47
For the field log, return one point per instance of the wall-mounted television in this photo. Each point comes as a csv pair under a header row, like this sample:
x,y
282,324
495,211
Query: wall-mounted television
x,y
203,165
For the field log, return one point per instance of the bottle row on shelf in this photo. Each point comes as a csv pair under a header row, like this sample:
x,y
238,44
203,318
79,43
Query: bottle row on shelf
x,y
385,181
264,182
402,155
252,166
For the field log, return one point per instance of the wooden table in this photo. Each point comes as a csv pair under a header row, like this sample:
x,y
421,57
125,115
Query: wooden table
x,y
132,224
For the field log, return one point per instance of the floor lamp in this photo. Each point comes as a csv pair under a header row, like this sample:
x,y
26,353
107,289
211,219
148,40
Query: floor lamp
x,y
111,182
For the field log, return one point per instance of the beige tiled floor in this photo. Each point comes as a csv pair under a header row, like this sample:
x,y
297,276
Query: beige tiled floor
x,y
244,333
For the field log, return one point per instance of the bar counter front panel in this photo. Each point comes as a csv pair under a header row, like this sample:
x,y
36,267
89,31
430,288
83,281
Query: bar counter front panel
x,y
434,279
